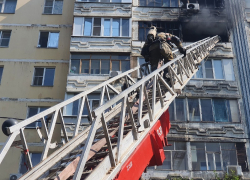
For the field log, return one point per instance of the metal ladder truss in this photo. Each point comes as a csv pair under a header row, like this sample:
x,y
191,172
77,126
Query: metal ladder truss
x,y
117,126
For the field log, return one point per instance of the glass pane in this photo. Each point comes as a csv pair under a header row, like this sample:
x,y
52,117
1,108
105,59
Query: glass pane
x,y
125,27
35,158
167,162
171,111
85,67
43,39
95,104
6,34
234,110
10,6
229,158
180,110
142,2
5,43
105,66
115,65
174,3
75,107
47,10
58,7
116,27
228,69
85,109
104,0
180,146
206,109
1,73
39,71
38,81
49,3
1,5
87,26
49,77
75,64
209,70
116,1
210,162
195,146
194,112
220,110
218,162
53,40
97,22
228,146
179,160
125,65
100,57
32,111
199,73
97,31
107,27
166,3
198,160
69,107
218,69
95,67
213,147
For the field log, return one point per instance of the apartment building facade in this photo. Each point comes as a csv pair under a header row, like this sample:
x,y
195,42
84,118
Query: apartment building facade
x,y
34,61
209,126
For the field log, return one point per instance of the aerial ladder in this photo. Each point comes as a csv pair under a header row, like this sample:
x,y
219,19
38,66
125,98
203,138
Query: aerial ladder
x,y
126,134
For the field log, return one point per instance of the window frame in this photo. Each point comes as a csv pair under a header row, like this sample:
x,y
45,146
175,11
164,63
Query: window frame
x,y
1,74
100,72
52,13
1,32
44,71
47,47
82,24
3,7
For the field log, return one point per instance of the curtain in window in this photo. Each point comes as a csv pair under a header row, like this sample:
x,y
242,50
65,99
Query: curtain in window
x,y
58,7
10,6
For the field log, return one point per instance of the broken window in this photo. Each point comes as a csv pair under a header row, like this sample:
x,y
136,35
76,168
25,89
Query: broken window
x,y
33,111
48,40
176,157
1,73
216,69
8,6
35,159
158,3
4,38
44,77
98,64
112,27
53,7
162,26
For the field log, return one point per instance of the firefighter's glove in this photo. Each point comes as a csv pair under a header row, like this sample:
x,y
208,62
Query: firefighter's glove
x,y
183,51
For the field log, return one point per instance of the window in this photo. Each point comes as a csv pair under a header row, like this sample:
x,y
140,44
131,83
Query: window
x,y
158,3
213,156
4,38
48,40
44,76
105,1
205,110
110,27
168,27
8,6
35,159
53,7
205,3
98,64
1,73
33,111
216,69
176,157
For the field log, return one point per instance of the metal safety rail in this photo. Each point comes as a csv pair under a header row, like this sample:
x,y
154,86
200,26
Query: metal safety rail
x,y
117,126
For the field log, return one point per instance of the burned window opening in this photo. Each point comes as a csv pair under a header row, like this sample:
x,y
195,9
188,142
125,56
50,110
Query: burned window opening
x,y
204,3
195,31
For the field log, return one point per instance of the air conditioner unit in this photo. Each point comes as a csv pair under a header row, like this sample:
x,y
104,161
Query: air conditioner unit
x,y
114,73
193,7
234,169
15,176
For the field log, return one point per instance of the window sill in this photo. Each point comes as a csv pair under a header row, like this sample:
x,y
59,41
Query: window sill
x,y
6,13
47,47
50,14
40,86
4,46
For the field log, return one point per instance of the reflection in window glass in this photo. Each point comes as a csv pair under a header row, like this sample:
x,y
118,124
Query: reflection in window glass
x,y
107,27
206,109
194,112
95,67
180,109
179,160
75,64
209,69
229,158
220,110
105,66
85,67
49,77
116,27
218,69
87,26
166,3
10,6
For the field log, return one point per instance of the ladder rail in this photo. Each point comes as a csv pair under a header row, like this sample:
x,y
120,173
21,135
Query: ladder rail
x,y
56,111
